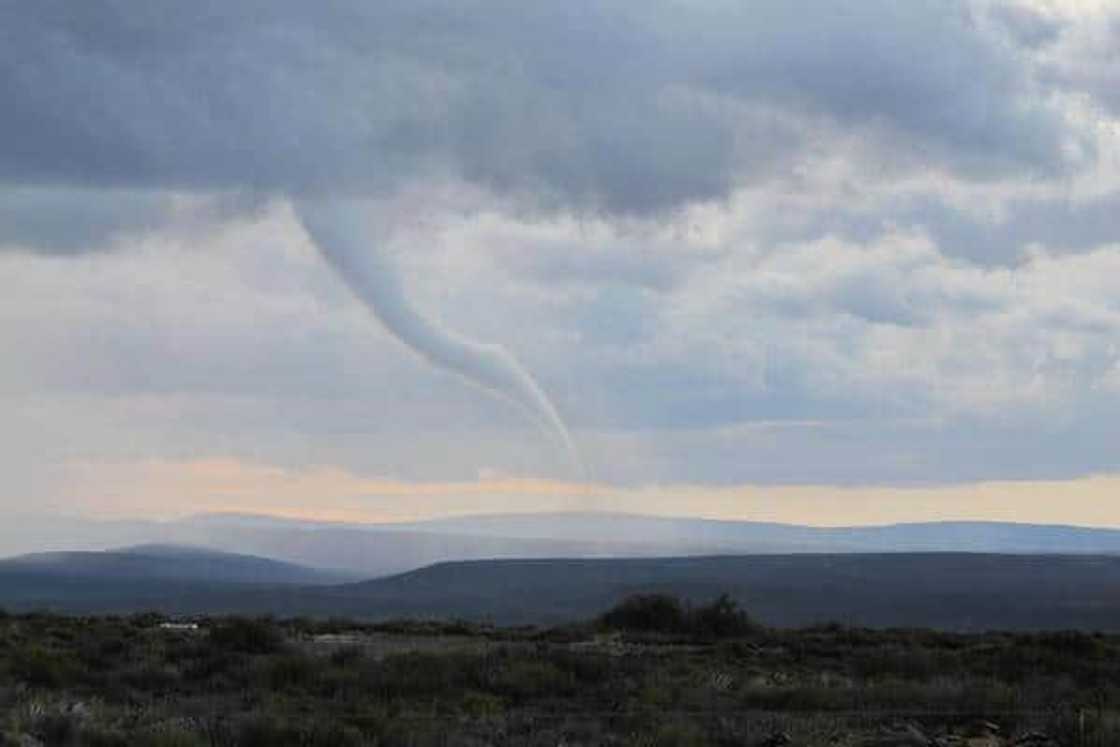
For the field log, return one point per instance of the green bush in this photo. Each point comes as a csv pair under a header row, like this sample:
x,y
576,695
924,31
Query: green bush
x,y
721,619
102,652
679,734
588,668
266,730
479,705
56,729
523,679
259,730
41,668
97,736
347,656
247,636
169,736
291,671
662,613
333,735
647,613
146,619
413,675
150,678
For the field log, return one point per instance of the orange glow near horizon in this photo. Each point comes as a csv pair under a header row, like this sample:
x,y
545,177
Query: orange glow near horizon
x,y
162,489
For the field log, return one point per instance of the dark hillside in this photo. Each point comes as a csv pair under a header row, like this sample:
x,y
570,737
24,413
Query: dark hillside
x,y
965,592
950,591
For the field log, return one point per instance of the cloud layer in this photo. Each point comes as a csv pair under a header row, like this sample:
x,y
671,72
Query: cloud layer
x,y
615,106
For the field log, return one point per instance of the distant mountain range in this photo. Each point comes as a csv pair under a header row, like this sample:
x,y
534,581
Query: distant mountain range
x,y
548,568
707,535
958,591
383,549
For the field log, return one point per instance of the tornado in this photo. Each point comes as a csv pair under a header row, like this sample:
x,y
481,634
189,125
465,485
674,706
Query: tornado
x,y
336,229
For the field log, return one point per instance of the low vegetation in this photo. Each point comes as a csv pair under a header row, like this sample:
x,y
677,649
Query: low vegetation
x,y
652,671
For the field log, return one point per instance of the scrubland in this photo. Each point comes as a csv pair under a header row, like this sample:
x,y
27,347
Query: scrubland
x,y
651,671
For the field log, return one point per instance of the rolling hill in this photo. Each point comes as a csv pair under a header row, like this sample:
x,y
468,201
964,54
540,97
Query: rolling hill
x,y
955,591
167,563
950,591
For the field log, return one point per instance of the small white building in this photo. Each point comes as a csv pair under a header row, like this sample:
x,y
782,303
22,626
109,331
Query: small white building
x,y
178,626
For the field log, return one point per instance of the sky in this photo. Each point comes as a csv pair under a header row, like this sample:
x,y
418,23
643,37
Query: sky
x,y
826,262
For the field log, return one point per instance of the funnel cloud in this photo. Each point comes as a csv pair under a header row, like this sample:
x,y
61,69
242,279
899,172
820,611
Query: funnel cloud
x,y
336,229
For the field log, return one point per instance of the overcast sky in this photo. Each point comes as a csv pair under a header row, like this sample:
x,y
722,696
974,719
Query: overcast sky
x,y
851,246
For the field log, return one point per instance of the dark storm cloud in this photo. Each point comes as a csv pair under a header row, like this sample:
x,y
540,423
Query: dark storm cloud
x,y
71,220
626,107
924,68
66,220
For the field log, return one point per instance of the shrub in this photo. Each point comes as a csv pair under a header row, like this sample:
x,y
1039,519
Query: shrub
x,y
247,636
661,613
291,672
146,619
647,613
679,734
721,619
102,652
149,677
98,736
586,667
523,679
169,736
480,705
412,675
347,656
261,731
40,668
56,729
333,735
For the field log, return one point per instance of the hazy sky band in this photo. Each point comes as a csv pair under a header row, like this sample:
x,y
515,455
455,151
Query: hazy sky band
x,y
331,494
